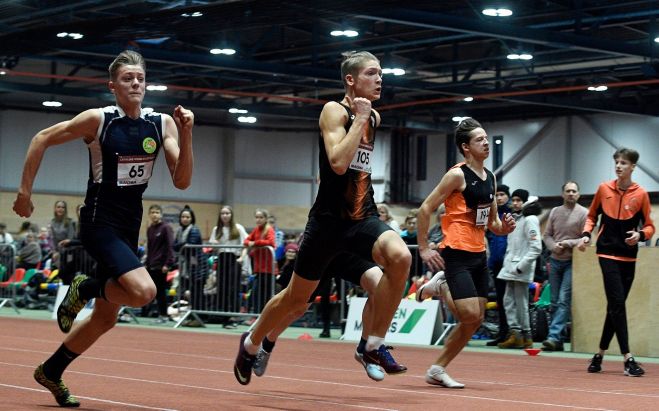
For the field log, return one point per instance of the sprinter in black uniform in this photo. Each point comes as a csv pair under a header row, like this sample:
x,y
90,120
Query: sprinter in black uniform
x,y
123,143
353,269
344,217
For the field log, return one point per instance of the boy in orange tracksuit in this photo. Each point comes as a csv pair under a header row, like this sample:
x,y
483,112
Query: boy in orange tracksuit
x,y
624,206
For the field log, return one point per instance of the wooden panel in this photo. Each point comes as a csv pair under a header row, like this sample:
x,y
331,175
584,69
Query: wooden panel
x,y
589,304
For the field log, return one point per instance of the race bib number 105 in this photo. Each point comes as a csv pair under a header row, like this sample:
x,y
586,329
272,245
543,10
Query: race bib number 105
x,y
134,170
362,159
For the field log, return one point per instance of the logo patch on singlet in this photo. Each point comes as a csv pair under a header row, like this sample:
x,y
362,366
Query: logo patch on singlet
x,y
149,145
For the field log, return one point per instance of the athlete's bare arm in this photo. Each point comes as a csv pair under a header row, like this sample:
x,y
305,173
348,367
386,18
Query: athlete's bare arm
x,y
496,225
452,181
177,143
339,145
84,125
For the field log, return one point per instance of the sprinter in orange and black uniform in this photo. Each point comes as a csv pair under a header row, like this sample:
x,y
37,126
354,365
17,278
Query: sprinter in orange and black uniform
x,y
467,190
624,206
343,218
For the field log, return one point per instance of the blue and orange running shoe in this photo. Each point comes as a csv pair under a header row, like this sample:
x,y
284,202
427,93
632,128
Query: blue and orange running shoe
x,y
384,359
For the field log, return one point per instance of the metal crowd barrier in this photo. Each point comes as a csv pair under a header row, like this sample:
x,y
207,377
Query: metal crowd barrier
x,y
213,282
8,276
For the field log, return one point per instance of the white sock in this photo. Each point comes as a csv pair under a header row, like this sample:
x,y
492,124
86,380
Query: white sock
x,y
250,346
374,342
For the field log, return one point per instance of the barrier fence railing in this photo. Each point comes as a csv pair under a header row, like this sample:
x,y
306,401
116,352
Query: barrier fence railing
x,y
8,276
216,281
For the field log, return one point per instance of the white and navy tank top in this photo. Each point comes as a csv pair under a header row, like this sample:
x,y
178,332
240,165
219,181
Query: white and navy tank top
x,y
121,160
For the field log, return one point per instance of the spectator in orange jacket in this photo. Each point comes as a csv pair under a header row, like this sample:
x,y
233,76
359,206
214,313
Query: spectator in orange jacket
x,y
624,207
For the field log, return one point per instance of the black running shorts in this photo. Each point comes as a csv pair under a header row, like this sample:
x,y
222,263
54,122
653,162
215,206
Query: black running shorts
x,y
325,237
467,274
115,251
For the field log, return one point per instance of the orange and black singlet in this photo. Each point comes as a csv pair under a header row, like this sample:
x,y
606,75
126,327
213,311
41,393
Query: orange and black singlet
x,y
467,212
348,196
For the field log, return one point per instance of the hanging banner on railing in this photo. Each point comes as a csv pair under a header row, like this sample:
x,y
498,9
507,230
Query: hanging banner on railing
x,y
413,322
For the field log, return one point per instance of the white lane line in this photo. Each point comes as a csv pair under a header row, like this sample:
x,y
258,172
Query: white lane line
x,y
281,397
124,404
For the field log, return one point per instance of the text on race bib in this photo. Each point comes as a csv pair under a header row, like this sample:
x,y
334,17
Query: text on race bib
x,y
362,159
483,214
134,170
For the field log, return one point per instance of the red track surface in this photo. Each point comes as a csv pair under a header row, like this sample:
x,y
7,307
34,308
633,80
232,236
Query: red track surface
x,y
159,369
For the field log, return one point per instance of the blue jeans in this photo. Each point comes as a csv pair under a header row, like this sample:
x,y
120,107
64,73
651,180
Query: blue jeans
x,y
560,281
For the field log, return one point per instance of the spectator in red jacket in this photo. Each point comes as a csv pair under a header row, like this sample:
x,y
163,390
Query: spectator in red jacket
x,y
264,270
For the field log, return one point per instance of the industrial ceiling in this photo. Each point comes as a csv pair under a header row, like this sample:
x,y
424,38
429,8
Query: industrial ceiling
x,y
286,62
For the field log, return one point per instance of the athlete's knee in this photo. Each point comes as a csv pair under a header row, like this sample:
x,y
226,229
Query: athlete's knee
x,y
471,317
142,294
399,259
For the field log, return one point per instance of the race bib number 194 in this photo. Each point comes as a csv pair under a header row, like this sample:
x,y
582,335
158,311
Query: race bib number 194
x,y
483,214
134,170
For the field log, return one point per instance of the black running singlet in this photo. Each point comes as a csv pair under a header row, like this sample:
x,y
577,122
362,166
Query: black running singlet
x,y
348,196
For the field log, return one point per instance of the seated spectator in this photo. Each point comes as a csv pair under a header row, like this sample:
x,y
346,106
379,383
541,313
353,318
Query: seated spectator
x,y
435,234
5,237
385,217
19,238
30,255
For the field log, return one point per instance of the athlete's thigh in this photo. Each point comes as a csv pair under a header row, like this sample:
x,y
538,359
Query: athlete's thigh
x,y
138,278
114,251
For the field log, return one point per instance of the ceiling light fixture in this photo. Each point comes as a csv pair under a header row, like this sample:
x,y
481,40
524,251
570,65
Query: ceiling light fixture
x,y
3,72
156,87
468,99
598,88
656,39
346,33
520,56
52,103
234,110
227,51
395,71
74,36
248,119
498,12
195,14
459,118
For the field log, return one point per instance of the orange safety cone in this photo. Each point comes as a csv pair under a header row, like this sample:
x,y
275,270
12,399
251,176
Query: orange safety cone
x,y
305,337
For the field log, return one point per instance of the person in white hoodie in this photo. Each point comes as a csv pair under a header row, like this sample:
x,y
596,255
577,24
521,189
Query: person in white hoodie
x,y
524,247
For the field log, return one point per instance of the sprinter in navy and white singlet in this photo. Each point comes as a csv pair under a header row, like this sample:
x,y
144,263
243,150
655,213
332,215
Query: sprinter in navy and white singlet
x,y
343,218
123,143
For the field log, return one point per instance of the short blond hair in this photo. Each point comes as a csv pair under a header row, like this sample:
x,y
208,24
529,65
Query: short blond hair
x,y
353,61
126,58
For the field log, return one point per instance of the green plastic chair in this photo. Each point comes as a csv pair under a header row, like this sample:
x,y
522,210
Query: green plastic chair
x,y
545,297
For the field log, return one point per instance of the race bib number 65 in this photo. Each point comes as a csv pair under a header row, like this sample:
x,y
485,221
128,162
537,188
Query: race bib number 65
x,y
134,170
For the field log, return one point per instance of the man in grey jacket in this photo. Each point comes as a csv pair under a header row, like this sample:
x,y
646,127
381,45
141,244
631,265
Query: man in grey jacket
x,y
524,247
562,234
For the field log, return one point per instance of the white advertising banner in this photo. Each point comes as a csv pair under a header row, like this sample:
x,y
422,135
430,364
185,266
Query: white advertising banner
x,y
413,322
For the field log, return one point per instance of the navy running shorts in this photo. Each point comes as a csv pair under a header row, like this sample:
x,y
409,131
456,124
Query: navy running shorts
x,y
466,273
115,251
325,237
